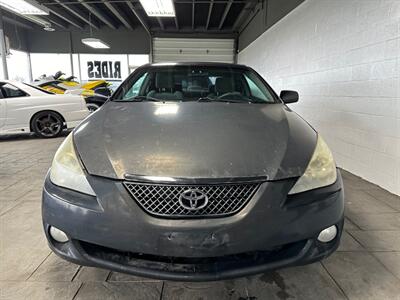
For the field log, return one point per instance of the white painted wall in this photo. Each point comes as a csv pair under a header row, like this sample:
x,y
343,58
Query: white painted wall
x,y
343,56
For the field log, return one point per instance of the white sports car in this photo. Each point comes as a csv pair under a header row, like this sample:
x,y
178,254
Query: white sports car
x,y
26,108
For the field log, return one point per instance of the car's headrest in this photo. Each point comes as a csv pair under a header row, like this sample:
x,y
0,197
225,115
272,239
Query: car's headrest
x,y
164,81
223,85
198,84
199,81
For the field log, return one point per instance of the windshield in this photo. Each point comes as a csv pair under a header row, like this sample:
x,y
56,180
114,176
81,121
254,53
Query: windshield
x,y
195,83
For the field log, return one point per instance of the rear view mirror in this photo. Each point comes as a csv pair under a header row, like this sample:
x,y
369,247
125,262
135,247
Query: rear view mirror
x,y
289,96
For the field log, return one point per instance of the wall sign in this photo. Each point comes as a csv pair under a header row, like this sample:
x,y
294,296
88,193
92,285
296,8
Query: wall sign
x,y
110,67
106,69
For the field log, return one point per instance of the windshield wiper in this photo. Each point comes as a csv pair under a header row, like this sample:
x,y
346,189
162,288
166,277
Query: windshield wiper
x,y
208,99
140,99
205,99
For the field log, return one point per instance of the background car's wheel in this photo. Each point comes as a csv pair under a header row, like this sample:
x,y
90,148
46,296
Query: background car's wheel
x,y
47,124
92,106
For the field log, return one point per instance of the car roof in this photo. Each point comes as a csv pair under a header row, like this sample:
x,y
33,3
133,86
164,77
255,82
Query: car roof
x,y
9,81
25,87
16,83
197,64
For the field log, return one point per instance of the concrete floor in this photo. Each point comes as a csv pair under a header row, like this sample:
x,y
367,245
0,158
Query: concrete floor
x,y
367,265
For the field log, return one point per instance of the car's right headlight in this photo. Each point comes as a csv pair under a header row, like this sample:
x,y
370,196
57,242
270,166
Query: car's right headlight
x,y
66,170
320,172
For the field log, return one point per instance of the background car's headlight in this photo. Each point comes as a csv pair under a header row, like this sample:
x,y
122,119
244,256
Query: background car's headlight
x,y
320,172
66,171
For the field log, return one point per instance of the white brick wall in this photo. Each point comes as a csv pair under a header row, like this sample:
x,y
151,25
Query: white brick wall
x,y
343,57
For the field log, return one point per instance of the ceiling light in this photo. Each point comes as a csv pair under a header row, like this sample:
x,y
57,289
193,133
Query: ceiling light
x,y
24,7
48,28
158,8
95,43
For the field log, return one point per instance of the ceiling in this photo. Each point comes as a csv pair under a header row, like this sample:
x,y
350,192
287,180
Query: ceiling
x,y
192,16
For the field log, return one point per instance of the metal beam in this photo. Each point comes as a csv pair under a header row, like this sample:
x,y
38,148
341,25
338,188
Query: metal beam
x,y
57,24
193,8
176,17
176,22
226,11
161,23
102,17
77,14
210,7
248,19
145,26
139,17
61,16
62,24
117,14
239,20
189,32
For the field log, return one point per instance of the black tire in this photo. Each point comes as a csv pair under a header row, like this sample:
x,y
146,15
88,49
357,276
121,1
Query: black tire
x,y
92,107
47,124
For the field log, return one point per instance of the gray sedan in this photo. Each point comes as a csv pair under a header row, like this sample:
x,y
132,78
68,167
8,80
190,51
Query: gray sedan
x,y
194,171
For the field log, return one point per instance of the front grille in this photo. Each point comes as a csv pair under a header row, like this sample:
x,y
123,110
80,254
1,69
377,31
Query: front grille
x,y
164,200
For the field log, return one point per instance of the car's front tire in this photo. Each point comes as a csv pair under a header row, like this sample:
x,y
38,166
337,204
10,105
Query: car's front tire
x,y
47,124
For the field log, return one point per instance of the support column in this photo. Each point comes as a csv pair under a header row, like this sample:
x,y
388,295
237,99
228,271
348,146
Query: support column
x,y
127,59
71,50
79,67
30,68
3,48
71,61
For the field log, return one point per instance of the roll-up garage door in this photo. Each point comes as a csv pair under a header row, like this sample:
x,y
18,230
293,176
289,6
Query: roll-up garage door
x,y
191,49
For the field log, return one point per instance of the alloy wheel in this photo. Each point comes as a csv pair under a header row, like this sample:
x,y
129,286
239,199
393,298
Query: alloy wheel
x,y
48,125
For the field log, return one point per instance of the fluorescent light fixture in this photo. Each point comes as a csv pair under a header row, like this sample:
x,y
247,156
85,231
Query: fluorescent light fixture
x,y
158,8
95,43
24,7
37,20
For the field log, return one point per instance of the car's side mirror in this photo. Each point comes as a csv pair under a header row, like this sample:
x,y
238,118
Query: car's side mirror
x,y
103,91
289,96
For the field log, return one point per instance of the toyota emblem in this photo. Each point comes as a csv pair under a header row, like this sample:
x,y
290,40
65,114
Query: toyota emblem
x,y
193,199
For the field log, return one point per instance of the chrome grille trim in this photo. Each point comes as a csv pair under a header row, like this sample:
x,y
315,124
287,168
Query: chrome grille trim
x,y
163,199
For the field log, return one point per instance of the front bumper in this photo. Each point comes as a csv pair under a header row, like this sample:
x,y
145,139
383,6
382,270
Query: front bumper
x,y
270,232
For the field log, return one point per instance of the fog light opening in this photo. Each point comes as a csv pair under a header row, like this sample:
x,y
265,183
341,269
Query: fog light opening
x,y
328,234
58,235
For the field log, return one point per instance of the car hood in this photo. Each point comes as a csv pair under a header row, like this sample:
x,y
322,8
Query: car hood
x,y
195,140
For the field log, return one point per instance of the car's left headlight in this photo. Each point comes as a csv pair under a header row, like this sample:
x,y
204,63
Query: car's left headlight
x,y
66,170
320,172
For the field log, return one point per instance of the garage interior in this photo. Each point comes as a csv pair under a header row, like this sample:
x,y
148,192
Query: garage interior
x,y
342,56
